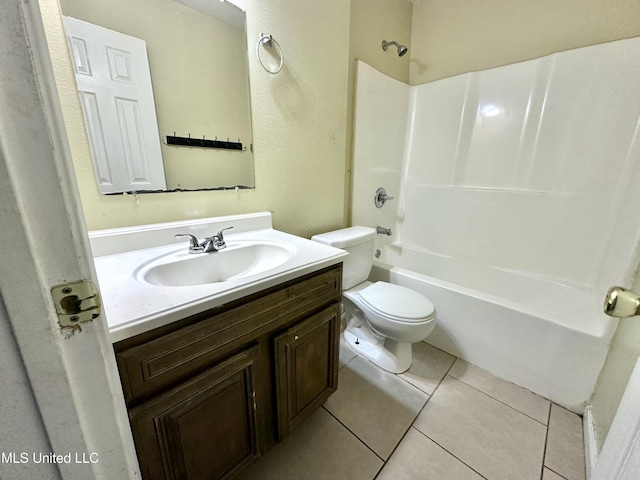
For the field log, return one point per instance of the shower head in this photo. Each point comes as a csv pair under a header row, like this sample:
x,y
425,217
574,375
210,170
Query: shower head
x,y
401,48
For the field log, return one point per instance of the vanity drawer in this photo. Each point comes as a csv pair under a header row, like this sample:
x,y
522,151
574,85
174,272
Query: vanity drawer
x,y
150,367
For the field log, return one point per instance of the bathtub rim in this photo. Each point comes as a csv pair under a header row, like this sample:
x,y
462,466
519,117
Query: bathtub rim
x,y
599,325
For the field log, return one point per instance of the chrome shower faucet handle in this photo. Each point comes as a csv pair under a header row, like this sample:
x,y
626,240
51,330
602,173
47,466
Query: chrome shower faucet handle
x,y
381,197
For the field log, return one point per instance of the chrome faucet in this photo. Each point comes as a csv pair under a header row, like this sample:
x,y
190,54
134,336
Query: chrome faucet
x,y
209,244
217,241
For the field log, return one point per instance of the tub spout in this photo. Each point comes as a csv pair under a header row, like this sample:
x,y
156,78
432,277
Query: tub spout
x,y
383,231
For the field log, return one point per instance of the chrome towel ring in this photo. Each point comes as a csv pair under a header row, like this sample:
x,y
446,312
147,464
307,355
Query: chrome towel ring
x,y
267,41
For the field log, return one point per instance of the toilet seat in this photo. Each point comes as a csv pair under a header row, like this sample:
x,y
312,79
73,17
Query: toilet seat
x,y
397,303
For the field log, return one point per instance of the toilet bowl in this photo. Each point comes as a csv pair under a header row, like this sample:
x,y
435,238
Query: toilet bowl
x,y
382,319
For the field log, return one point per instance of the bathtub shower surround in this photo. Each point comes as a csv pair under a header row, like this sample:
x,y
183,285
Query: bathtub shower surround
x,y
515,188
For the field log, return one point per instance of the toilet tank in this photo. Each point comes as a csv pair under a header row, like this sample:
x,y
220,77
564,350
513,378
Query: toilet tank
x,y
358,241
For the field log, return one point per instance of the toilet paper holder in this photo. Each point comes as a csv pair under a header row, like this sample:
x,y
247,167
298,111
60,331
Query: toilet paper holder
x,y
620,302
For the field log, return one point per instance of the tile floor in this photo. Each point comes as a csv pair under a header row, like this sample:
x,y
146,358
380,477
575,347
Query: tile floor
x,y
444,419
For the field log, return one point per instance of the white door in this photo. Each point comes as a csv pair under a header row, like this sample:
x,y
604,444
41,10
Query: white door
x,y
114,83
72,377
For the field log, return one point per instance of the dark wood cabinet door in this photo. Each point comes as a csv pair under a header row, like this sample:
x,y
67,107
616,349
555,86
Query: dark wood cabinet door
x,y
306,361
206,428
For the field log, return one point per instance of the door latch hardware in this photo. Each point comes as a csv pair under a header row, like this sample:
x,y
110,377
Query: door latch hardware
x,y
76,302
621,303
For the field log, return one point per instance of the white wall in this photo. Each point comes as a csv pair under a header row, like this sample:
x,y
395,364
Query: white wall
x,y
299,126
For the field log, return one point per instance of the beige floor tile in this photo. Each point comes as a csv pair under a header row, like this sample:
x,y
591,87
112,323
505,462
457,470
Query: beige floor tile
x,y
417,457
318,449
495,440
429,367
517,397
375,405
565,444
551,475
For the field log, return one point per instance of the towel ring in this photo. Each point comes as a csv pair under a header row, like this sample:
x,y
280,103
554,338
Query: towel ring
x,y
267,40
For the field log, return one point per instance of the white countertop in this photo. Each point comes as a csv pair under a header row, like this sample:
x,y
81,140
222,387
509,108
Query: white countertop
x,y
133,306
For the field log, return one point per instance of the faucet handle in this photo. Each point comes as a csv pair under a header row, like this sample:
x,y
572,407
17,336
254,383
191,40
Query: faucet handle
x,y
219,235
194,244
381,197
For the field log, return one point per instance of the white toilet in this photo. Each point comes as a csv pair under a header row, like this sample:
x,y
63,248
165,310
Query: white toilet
x,y
383,319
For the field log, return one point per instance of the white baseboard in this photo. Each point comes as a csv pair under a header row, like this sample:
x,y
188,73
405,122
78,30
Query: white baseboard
x,y
590,443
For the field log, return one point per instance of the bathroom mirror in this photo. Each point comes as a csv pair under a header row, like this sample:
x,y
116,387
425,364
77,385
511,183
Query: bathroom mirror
x,y
199,72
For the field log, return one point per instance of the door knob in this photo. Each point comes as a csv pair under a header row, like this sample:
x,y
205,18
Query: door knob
x,y
621,302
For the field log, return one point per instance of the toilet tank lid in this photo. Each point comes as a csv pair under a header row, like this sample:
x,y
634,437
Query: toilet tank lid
x,y
346,237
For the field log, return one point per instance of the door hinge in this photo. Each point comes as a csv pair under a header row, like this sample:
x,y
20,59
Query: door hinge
x,y
76,302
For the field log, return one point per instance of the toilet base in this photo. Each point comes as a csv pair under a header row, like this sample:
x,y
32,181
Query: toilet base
x,y
390,355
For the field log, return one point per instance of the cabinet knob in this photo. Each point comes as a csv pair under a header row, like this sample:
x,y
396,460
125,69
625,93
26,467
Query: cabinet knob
x,y
295,337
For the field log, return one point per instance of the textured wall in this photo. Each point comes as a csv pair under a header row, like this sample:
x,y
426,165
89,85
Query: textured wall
x,y
375,20
457,36
299,127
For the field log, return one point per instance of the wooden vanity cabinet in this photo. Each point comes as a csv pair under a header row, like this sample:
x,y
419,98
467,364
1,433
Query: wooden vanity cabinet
x,y
209,394
306,367
204,428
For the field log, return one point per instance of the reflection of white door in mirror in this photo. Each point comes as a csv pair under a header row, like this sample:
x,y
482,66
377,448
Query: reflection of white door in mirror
x,y
114,83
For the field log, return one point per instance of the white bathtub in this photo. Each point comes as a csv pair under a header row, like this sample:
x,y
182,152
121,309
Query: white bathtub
x,y
548,337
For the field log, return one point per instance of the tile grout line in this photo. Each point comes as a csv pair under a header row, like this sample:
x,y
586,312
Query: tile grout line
x,y
546,440
552,470
356,436
450,453
506,404
427,436
494,376
410,426
486,394
429,395
477,389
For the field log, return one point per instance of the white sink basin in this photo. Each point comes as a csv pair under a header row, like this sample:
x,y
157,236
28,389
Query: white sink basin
x,y
148,279
238,260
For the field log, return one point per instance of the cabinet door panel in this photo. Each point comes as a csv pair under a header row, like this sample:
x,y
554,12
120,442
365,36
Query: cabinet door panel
x,y
150,367
204,429
306,367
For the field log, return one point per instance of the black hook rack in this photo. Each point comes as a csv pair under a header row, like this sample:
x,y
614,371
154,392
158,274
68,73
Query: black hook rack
x,y
202,142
